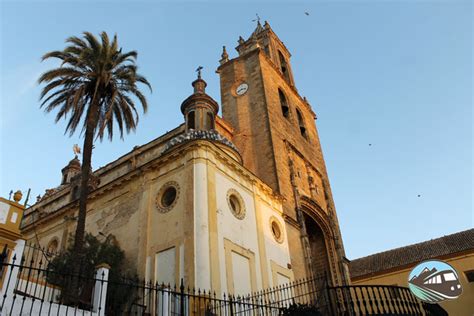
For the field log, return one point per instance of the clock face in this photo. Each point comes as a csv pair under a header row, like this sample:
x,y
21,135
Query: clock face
x,y
242,89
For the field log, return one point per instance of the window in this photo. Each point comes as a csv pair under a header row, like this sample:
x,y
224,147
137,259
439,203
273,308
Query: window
x,y
236,204
285,109
284,67
75,193
167,196
469,275
191,124
64,181
266,50
276,229
210,121
301,124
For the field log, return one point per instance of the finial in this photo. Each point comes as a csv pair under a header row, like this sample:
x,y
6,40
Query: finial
x,y
198,70
76,149
266,25
241,40
17,196
224,56
10,195
199,84
224,53
38,198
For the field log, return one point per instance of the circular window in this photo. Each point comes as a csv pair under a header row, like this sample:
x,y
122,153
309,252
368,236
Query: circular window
x,y
167,196
236,203
276,229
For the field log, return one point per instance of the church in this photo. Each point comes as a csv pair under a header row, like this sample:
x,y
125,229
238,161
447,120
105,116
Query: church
x,y
232,204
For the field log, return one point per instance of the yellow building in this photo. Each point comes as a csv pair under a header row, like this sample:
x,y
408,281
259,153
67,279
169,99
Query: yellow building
x,y
233,204
392,267
11,241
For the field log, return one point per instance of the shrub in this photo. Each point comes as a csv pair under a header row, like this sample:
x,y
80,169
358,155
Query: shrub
x,y
301,310
95,252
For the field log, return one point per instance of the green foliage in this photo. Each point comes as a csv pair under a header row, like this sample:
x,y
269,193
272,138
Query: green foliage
x,y
94,74
301,310
95,252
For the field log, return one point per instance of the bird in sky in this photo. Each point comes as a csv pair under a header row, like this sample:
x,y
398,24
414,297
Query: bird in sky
x,y
307,13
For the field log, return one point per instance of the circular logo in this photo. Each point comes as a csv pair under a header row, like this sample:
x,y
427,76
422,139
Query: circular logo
x,y
434,281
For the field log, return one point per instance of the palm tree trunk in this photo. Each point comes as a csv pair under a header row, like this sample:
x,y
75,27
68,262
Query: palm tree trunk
x,y
92,116
84,190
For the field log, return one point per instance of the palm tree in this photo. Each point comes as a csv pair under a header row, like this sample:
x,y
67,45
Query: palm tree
x,y
94,87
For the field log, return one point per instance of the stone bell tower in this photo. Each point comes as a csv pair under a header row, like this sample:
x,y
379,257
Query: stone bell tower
x,y
276,134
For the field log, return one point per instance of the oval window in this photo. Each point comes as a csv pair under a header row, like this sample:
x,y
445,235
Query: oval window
x,y
167,196
236,204
276,229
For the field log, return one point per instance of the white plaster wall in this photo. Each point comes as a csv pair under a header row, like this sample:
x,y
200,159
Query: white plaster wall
x,y
241,232
277,252
166,266
201,227
241,271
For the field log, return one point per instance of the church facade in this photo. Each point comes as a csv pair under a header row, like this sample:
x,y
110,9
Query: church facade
x,y
233,204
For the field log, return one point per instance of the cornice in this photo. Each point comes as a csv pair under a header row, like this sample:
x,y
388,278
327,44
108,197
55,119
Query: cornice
x,y
172,156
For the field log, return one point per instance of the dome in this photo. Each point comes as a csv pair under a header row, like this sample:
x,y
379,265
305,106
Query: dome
x,y
211,135
74,163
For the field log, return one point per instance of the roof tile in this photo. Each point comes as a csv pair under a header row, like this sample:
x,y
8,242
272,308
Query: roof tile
x,y
415,253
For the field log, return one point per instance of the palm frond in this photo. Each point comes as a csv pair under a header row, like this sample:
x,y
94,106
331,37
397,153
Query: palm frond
x,y
94,72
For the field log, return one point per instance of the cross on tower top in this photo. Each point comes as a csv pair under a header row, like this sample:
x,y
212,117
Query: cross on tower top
x,y
257,19
198,70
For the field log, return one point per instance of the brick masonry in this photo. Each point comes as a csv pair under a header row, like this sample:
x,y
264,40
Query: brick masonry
x,y
272,144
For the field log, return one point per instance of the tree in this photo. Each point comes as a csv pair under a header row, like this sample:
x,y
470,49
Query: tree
x,y
95,252
94,87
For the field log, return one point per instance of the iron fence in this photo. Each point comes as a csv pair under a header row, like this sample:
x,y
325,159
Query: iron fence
x,y
379,300
31,286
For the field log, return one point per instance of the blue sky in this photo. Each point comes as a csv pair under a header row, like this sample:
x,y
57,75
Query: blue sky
x,y
394,74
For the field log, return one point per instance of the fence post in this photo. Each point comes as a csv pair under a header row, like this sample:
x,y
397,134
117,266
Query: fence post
x,y
10,274
100,288
181,289
231,306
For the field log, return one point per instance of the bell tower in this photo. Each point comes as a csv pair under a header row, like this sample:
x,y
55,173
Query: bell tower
x,y
276,134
